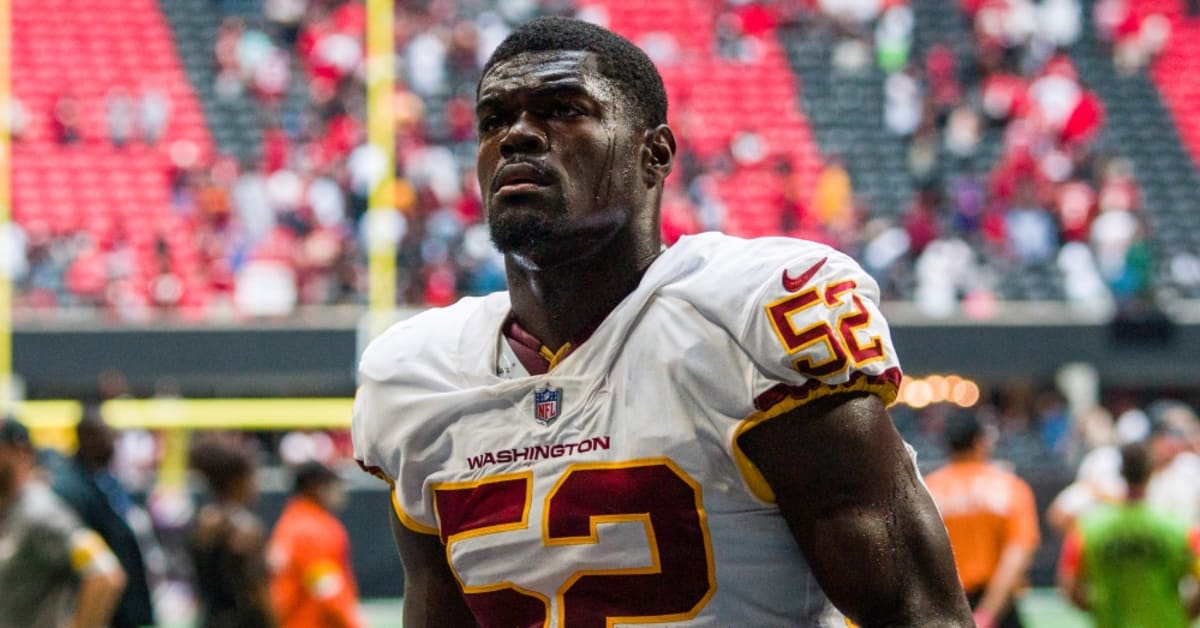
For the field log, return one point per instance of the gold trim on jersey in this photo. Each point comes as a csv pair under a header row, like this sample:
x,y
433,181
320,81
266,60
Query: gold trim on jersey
x,y
527,480
405,519
840,338
850,323
553,358
89,554
655,566
754,479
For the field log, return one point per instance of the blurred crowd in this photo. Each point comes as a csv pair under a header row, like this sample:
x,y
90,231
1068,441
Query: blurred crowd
x,y
1053,202
280,229
285,228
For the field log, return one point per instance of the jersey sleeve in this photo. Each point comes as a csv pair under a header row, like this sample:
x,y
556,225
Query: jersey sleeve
x,y
1021,526
90,555
377,431
405,376
813,328
361,428
65,539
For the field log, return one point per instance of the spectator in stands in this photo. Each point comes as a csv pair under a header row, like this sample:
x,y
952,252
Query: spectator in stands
x,y
53,571
1032,233
903,103
120,116
833,196
1135,39
1119,190
1133,287
921,220
16,118
86,483
1060,22
312,582
227,542
893,38
1111,235
227,80
154,113
1127,563
286,16
992,520
66,118
963,132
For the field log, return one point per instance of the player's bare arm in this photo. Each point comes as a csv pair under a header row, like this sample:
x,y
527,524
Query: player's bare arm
x,y
98,595
1073,586
1007,580
858,510
432,596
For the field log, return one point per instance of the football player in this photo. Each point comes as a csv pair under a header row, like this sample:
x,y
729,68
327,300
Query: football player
x,y
694,435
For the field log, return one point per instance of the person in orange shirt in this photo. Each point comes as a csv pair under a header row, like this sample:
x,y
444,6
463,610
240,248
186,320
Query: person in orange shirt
x,y
991,517
312,584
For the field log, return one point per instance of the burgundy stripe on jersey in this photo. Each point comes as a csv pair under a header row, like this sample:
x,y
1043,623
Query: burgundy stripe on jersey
x,y
859,380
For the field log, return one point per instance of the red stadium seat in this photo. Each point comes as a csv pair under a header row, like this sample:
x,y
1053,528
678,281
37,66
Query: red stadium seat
x,y
86,49
1174,71
733,97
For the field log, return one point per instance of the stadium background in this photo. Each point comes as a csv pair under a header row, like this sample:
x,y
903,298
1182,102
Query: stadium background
x,y
214,204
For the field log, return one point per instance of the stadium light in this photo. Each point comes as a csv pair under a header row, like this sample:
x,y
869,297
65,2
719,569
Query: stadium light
x,y
920,392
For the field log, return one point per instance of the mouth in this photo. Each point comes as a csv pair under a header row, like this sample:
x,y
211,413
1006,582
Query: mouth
x,y
520,178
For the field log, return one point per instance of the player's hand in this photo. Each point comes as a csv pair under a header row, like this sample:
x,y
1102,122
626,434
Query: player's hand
x,y
984,619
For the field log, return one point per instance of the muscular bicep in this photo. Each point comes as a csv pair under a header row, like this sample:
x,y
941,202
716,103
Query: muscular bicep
x,y
856,506
432,596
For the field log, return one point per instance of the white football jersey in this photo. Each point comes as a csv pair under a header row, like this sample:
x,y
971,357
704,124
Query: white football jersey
x,y
611,490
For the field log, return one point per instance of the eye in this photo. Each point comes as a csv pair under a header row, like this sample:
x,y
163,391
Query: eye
x,y
564,110
489,124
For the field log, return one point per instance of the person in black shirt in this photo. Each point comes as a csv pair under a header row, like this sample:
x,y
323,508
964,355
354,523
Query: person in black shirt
x,y
87,485
228,541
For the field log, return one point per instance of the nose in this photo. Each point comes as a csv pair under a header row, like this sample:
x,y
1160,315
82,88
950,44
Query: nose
x,y
523,137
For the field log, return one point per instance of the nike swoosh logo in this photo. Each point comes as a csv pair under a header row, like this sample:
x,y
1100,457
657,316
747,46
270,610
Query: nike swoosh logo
x,y
795,284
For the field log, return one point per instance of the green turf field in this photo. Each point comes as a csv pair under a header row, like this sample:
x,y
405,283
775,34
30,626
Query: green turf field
x,y
1041,608
1045,608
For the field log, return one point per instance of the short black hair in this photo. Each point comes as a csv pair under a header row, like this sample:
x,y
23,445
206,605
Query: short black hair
x,y
311,475
13,433
621,61
962,430
223,459
1135,463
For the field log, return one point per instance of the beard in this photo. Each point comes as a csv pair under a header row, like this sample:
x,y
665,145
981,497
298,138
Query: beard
x,y
545,239
524,232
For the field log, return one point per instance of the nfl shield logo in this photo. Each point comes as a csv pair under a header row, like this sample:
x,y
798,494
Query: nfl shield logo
x,y
547,404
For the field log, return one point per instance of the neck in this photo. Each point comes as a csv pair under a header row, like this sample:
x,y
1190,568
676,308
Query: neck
x,y
561,303
1135,493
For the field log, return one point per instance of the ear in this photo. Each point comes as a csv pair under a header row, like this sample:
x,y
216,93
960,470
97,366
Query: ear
x,y
658,152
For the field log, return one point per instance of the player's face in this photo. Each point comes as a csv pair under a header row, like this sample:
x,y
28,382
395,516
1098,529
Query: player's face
x,y
558,156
